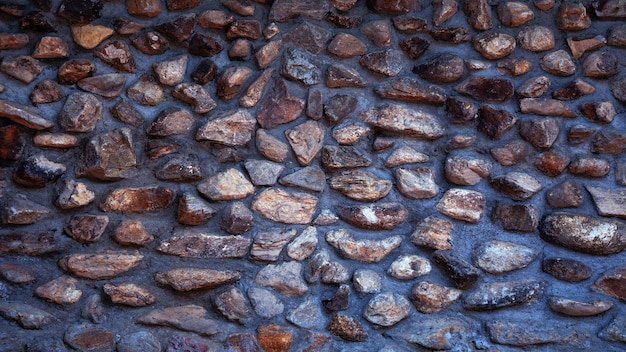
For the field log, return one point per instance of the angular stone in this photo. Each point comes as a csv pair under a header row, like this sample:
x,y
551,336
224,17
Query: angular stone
x,y
21,211
117,54
558,63
62,290
230,82
108,156
499,257
351,133
414,47
462,204
516,185
365,251
107,85
444,10
202,245
193,211
23,68
403,120
366,281
544,5
433,232
288,208
86,228
181,168
265,303
300,66
409,267
602,111
417,183
51,48
171,72
524,334
237,219
255,91
30,244
129,294
344,21
286,278
453,35
492,296
196,96
516,217
608,202
379,32
361,185
80,113
25,315
139,341
612,283
279,108
536,38
617,36
339,107
267,245
408,89
590,167
310,178
37,171
432,298
146,91
460,111
380,216
462,274
546,107
306,141
534,87
274,338
460,141
263,172
609,142
151,43
82,11
345,45
578,46
16,274
307,315
179,29
387,62
347,328
86,337
444,68
341,76
230,128
132,233
12,41
602,64
228,185
56,140
568,194
171,122
466,171
578,309
340,301
387,309
100,266
574,90
233,305
304,245
309,37
203,45
514,14
405,155
284,10
492,90
433,333
241,7
213,19
618,88
514,67
494,45
573,17
143,8
138,200
567,269
541,133
344,157
74,70
190,318
23,115
583,233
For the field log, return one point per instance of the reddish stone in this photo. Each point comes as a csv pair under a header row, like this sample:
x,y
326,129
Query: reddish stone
x,y
11,143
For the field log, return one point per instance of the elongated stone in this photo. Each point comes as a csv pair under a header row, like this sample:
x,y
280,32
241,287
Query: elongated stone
x,y
286,278
569,270
366,251
228,185
203,245
23,115
436,333
138,200
100,266
609,202
25,315
524,334
408,89
361,185
195,95
21,211
190,279
30,243
62,290
516,185
499,257
288,208
493,90
268,244
380,216
503,294
344,157
405,121
578,309
190,318
462,204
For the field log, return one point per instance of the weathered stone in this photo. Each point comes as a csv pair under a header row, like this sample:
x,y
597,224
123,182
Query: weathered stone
x,y
568,194
279,108
124,26
263,172
366,251
298,65
179,29
213,19
30,243
304,245
306,141
170,122
132,233
193,211
307,315
347,328
466,171
494,45
432,298
611,10
578,46
602,111
417,183
108,85
567,269
86,228
558,63
138,341
366,281
516,217
433,232
460,111
498,257
524,334
51,48
578,309
579,134
361,185
403,120
462,274
138,200
608,202
461,204
574,90
308,36
62,290
21,211
55,140
534,87
93,309
546,107
256,89
479,14
339,107
184,342
380,216
151,43
11,143
444,68
90,36
379,32
514,14
16,274
274,338
411,90
341,76
536,38
484,89
171,72
351,133
286,278
230,82
129,294
12,41
405,155
454,35
573,17
516,185
590,167
181,168
288,208
460,141
394,8
267,245
443,10
344,157
601,64
387,309
344,21
414,47
618,88
615,331
201,245
617,37
284,10
346,45
310,178
503,294
23,68
544,5
80,113
186,318
37,171
237,219
433,333
241,7
86,337
388,62
25,315
146,91
541,133
102,266
74,70
82,11
232,304
583,233
609,142
514,67
196,96
265,303
117,54
339,301
229,128
409,267
108,156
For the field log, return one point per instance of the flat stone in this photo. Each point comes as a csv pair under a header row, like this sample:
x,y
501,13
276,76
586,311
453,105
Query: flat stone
x,y
494,45
138,200
304,245
462,274
516,217
89,36
37,171
300,66
453,35
23,115
286,278
492,296
558,63
350,133
404,121
466,171
124,26
171,72
345,45
395,8
492,90
201,245
345,21
534,87
23,68
414,47
102,266
569,270
229,128
132,233
514,67
546,107
387,62
516,185
171,122
365,251
190,318
460,141
86,228
444,68
181,168
241,7
256,89
578,46
616,36
51,48
405,155
151,43
274,338
409,267
536,38
608,202
408,89
193,210
279,108
609,141
195,95
348,328
21,211
514,14
444,10
263,172
310,178
380,216
307,315
430,298
433,232
499,257
101,161
602,64
541,133
127,113
146,91
129,294
523,334
361,185
610,10
16,274
265,303
344,157
544,5
306,141
214,19
25,315
441,333
601,111
417,183
574,90
578,309
80,113
233,306
387,309
479,14
288,208
268,244
12,41
308,36
341,76
108,85
139,341
86,337
339,107
268,53
237,219
284,10
590,167
62,290
378,32
462,204
30,243
204,45
573,17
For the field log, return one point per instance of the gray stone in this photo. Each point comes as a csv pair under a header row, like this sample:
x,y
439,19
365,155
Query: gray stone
x,y
181,168
499,257
417,183
16,274
171,122
536,38
366,281
265,303
516,217
432,298
366,251
205,246
21,211
80,113
616,330
286,278
462,204
578,309
37,171
233,305
462,274
490,296
525,334
190,279
441,333
569,270
388,62
360,185
310,178
171,72
263,172
387,309
409,267
190,318
140,341
300,66
379,216
307,315
25,315
516,185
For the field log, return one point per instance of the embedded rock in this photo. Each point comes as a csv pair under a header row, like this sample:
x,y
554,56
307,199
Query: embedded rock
x,y
347,328
514,14
403,120
578,309
467,172
146,92
284,10
138,200
574,90
600,65
233,305
108,85
231,81
279,108
309,37
361,185
461,204
265,303
462,274
479,14
433,232
62,290
132,233
127,113
536,38
346,45
503,294
286,278
129,294
432,298
23,115
117,54
341,76
388,62
411,90
516,217
21,211
524,334
546,107
102,266
190,279
228,185
30,243
493,45
409,267
366,251
306,141
202,245
237,219
310,178
434,333
304,245
534,87
573,17
25,315
86,229
196,96
108,156
498,257
190,318
492,90
590,167
417,183
387,309
23,68
230,128
288,208
380,216
37,171
569,270
171,72
516,185
298,65
558,63
268,244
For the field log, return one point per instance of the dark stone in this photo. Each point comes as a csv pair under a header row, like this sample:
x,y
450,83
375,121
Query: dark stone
x,y
444,68
151,43
46,91
410,25
613,283
37,22
125,26
298,65
516,217
505,294
309,37
339,107
204,45
37,171
409,89
551,163
569,270
454,35
242,343
344,20
284,10
387,62
573,90
380,216
204,72
30,243
568,194
80,11
573,17
494,123
541,133
344,157
462,274
86,229
180,169
461,110
73,71
339,301
347,328
340,76
314,106
479,14
310,178
393,7
179,29
108,156
11,143
610,142
280,108
579,134
535,334
414,47
484,89
237,219
127,113
248,29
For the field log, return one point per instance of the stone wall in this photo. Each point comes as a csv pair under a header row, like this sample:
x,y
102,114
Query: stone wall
x,y
312,175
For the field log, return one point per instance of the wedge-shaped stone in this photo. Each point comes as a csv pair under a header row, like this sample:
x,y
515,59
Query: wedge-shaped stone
x,y
286,278
190,279
100,266
404,121
405,155
613,283
412,90
206,246
289,208
138,200
546,107
387,62
228,185
186,318
268,244
29,243
516,185
366,251
361,185
499,257
284,10
129,294
578,309
432,298
462,204
583,233
466,171
492,296
23,68
109,156
27,316
381,216
279,108
341,76
417,183
534,333
22,211
195,95
306,140
231,129
310,178
609,202
441,333
23,115
171,122
108,85
344,157
62,290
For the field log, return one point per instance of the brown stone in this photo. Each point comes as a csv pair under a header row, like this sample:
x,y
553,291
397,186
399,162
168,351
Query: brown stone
x,y
567,269
86,228
516,185
171,72
551,163
414,47
306,141
179,29
268,53
101,161
344,20
108,85
578,46
454,35
514,14
417,183
16,274
230,82
284,10
171,122
479,14
466,171
248,29
256,90
228,185
443,10
345,45
124,26
347,328
366,251
51,48
242,342
138,200
132,233
280,108
534,87
558,63
340,76
11,143
80,113
380,216
602,111
90,36
205,246
444,68
617,36
286,278
461,204
190,318
541,133
190,279
144,8
129,294
37,171
213,19
609,142
271,147
23,68
494,45
181,5
578,309
30,244
11,41
89,338
100,266
590,167
74,70
117,54
536,38
241,7
573,17
379,32
568,194
433,232
151,43
546,107
574,90
309,37
432,298
274,338
387,62
601,64
492,90
495,123
62,290
515,67
284,207
195,95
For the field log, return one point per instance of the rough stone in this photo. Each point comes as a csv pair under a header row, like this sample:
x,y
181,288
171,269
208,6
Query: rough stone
x,y
387,309
307,315
387,62
444,68
288,208
534,87
618,88
138,200
231,81
462,204
459,111
344,157
286,278
516,185
30,243
462,274
444,10
394,8
433,232
568,194
345,45
51,48
151,43
492,296
546,107
494,45
578,46
578,309
62,290
179,29
339,107
265,303
341,76
366,281
23,68
466,171
536,38
573,17
306,141
608,202
441,333
129,294
21,211
101,161
139,341
417,183
590,167
366,251
411,90
602,64
348,328
132,233
102,266
268,244
37,171
430,298
453,35
404,120
25,315
201,245
308,36
516,217
361,185
414,47
12,41
12,143
186,318
484,89
409,267
523,334
569,270
255,91
405,155
583,233
146,91
56,140
602,111
551,164
558,63
274,338
351,133
117,54
574,90
196,96
232,304
514,14
279,109
86,337
339,301
616,36
16,274
380,216
498,257
86,228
